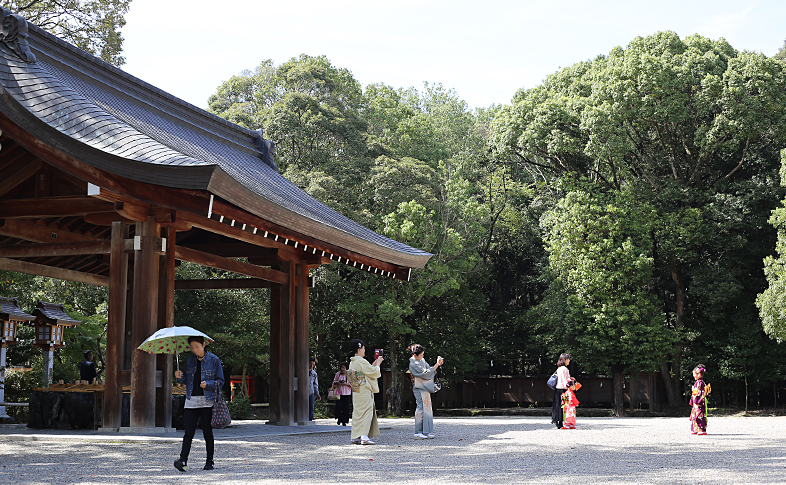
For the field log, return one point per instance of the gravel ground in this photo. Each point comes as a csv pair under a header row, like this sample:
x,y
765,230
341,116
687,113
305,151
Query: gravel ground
x,y
466,450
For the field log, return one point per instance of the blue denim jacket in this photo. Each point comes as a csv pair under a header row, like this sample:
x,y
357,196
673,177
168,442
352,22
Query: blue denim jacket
x,y
212,374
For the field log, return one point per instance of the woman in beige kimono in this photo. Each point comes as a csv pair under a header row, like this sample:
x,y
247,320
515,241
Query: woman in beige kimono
x,y
363,377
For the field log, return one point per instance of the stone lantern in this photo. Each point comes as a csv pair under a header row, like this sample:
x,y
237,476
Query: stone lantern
x,y
50,321
10,318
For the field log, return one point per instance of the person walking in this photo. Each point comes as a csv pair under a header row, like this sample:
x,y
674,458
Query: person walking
x,y
363,378
204,378
563,381
422,386
344,389
313,387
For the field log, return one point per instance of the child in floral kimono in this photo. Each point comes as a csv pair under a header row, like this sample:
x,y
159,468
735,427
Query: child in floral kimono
x,y
698,402
569,403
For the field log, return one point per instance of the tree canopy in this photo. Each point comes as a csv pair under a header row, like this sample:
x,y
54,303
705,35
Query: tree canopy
x,y
91,25
627,210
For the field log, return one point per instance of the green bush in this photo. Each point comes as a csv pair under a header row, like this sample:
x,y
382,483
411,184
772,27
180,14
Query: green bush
x,y
240,408
18,388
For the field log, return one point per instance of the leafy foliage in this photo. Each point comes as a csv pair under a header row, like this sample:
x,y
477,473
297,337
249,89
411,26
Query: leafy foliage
x,y
91,25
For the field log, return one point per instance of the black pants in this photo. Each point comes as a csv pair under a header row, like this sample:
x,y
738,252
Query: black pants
x,y
556,407
190,418
342,409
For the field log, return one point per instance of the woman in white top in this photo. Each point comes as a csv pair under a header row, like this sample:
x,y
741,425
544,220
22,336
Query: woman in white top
x,y
563,382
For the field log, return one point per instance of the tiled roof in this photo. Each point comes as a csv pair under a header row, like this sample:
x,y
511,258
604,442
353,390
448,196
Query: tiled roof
x,y
55,313
153,137
9,310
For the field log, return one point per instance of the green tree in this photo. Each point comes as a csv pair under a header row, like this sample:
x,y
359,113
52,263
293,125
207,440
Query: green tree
x,y
238,321
91,25
688,125
781,54
600,248
770,301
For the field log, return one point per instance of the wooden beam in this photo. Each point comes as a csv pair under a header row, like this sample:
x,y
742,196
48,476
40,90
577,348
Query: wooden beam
x,y
105,218
302,344
287,351
222,284
23,173
132,212
236,232
235,250
144,323
52,272
275,353
118,291
54,249
37,233
166,319
205,259
230,211
51,207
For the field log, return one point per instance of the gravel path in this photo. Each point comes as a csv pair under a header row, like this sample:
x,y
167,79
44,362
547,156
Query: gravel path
x,y
466,450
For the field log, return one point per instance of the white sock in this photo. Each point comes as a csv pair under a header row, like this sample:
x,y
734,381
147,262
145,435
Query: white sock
x,y
365,438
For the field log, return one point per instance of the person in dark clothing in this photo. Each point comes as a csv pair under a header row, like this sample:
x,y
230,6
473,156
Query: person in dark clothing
x,y
204,377
87,368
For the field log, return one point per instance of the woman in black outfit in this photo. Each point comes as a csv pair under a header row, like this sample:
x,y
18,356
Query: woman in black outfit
x,y
563,382
345,395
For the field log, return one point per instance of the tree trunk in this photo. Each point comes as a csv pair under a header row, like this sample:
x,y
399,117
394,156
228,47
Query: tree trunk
x,y
394,391
619,399
680,297
746,392
243,386
668,383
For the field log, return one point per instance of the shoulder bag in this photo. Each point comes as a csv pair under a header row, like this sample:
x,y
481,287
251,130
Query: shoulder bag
x,y
221,418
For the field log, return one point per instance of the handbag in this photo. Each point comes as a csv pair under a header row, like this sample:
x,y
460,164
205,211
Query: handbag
x,y
333,394
552,382
221,418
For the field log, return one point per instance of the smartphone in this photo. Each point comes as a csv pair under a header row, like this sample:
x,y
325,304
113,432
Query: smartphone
x,y
377,353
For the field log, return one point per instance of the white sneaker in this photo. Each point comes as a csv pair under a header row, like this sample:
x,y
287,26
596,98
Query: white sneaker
x,y
430,436
421,436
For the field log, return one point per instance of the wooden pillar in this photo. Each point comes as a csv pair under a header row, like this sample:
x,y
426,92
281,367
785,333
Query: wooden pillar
x,y
118,289
2,380
48,363
166,318
302,345
275,354
145,321
287,350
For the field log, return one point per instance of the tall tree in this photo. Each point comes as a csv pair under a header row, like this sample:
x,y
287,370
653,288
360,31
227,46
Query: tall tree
x,y
770,302
684,124
600,248
92,25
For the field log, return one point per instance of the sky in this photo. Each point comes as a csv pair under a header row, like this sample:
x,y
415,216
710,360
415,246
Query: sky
x,y
485,50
